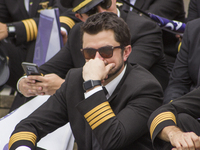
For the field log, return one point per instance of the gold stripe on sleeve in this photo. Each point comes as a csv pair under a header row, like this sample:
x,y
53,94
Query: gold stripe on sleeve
x,y
67,20
99,114
31,29
179,46
27,30
95,109
85,2
28,136
34,28
160,118
102,120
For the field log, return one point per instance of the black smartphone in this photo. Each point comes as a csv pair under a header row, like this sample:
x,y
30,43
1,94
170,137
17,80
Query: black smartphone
x,y
30,68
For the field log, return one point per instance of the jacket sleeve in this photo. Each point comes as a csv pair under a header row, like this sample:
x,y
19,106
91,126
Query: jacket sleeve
x,y
166,115
180,81
30,130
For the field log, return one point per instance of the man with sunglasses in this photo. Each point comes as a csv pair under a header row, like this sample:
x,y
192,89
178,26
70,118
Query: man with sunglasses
x,y
115,119
146,42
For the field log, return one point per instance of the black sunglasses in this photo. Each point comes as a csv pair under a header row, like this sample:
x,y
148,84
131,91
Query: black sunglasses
x,y
105,4
105,52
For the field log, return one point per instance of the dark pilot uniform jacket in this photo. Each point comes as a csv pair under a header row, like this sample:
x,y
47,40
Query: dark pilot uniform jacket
x,y
147,51
117,123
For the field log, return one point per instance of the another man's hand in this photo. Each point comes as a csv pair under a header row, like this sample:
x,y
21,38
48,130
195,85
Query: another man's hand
x,y
179,139
47,85
3,31
96,69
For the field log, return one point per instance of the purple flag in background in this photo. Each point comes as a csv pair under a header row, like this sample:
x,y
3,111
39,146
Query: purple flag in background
x,y
42,42
169,25
49,39
172,26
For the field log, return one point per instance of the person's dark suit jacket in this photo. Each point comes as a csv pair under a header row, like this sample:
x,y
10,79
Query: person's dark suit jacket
x,y
147,50
170,9
185,74
123,126
22,47
194,10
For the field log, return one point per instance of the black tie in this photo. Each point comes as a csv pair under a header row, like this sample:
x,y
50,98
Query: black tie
x,y
105,91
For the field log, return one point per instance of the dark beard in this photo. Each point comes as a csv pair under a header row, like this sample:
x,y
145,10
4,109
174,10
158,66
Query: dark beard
x,y
110,75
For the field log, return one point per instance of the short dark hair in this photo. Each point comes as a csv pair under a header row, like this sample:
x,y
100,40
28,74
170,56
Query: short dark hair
x,y
108,21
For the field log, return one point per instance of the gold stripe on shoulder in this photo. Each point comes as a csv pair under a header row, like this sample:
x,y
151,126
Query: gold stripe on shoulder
x,y
67,20
81,5
179,46
161,118
28,136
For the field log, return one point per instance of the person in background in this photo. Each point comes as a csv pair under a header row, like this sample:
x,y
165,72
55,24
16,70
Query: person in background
x,y
170,9
176,125
18,31
146,42
114,119
185,74
193,10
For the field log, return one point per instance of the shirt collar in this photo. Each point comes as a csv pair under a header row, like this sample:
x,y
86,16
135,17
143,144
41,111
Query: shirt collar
x,y
118,12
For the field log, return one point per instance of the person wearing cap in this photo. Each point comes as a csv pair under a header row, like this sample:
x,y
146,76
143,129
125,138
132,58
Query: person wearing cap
x,y
107,101
146,41
18,25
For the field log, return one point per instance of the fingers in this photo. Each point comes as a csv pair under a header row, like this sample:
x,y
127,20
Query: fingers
x,y
35,77
110,67
186,141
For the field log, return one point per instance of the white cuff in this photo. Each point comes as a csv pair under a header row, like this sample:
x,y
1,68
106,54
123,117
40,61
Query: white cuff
x,y
63,29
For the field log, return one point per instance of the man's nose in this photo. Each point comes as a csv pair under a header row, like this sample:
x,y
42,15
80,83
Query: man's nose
x,y
98,56
100,9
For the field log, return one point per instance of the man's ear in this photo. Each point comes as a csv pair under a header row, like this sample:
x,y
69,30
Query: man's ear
x,y
79,16
127,52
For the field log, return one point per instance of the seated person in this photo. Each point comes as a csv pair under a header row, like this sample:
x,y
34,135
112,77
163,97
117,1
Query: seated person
x,y
175,126
185,75
18,23
170,9
115,119
146,42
